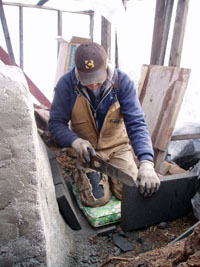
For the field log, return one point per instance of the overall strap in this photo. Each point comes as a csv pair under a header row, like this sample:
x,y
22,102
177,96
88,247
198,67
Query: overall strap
x,y
115,86
116,81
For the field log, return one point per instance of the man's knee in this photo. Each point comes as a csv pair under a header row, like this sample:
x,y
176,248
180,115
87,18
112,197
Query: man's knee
x,y
93,187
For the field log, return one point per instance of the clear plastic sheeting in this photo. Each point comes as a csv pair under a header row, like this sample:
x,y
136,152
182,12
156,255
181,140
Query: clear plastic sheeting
x,y
196,205
112,10
185,152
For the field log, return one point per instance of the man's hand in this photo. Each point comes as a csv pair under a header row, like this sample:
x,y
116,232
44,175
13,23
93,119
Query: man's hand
x,y
149,181
83,148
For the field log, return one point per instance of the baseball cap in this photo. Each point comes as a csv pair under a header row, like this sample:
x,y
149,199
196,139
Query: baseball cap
x,y
91,63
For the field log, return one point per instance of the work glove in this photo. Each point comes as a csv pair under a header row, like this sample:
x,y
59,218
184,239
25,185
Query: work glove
x,y
149,182
84,149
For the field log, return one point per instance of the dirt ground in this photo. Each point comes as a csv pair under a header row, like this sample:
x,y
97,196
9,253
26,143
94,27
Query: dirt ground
x,y
149,245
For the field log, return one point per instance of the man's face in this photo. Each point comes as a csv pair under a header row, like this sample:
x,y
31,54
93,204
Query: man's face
x,y
94,86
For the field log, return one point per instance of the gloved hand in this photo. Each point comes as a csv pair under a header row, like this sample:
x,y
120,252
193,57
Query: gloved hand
x,y
83,148
149,182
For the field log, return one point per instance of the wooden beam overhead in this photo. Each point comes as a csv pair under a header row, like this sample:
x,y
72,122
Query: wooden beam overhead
x,y
178,33
47,8
6,34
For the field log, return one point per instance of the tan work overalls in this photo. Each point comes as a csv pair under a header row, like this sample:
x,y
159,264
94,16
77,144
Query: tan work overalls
x,y
112,144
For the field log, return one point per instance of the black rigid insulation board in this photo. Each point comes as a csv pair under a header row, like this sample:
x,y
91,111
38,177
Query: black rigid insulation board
x,y
63,197
173,200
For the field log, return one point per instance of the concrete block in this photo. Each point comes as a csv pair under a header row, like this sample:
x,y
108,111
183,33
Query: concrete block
x,y
173,200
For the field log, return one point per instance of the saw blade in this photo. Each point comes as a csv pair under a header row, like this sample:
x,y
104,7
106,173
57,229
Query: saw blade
x,y
103,166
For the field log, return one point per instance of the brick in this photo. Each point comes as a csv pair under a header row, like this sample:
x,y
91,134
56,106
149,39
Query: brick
x,y
173,200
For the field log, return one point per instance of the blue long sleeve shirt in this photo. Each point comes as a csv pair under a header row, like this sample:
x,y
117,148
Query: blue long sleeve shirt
x,y
65,97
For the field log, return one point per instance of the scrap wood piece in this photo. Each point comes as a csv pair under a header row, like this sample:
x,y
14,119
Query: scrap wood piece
x,y
42,116
171,168
186,132
185,136
35,91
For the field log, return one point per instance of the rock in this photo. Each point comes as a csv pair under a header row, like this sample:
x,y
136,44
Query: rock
x,y
122,243
32,231
162,225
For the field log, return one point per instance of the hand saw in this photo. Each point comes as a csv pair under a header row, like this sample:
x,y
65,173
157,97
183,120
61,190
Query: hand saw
x,y
103,166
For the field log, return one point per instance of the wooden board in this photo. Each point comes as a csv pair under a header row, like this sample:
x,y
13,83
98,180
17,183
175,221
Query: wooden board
x,y
66,55
178,33
62,55
161,92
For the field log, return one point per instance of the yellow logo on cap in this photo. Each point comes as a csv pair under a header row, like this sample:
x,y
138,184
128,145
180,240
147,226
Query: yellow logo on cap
x,y
89,64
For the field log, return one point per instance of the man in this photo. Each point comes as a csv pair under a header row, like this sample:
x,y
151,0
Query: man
x,y
96,110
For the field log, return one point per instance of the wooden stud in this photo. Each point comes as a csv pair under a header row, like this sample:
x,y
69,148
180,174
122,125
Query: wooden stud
x,y
106,35
59,29
92,26
165,33
179,32
157,32
116,51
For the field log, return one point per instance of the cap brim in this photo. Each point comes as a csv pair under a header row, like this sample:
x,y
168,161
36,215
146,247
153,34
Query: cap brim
x,y
87,78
